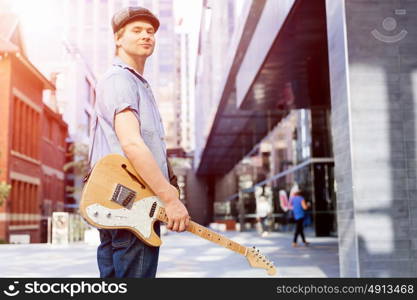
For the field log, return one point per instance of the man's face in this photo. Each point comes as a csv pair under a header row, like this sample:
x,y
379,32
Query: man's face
x,y
138,39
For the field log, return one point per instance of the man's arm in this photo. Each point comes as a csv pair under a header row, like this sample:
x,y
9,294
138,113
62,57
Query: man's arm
x,y
128,132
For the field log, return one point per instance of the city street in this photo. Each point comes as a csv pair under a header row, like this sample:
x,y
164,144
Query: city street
x,y
182,255
251,114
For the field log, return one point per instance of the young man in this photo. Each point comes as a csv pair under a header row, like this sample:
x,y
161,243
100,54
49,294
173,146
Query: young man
x,y
128,122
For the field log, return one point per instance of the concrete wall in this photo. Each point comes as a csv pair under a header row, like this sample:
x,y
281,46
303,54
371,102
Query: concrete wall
x,y
198,200
225,186
373,72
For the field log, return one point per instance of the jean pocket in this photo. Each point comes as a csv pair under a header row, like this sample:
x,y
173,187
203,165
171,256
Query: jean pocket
x,y
121,238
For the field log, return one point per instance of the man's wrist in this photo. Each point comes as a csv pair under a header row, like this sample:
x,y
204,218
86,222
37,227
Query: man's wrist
x,y
165,193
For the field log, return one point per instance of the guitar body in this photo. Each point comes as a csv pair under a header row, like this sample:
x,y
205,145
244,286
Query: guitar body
x,y
116,197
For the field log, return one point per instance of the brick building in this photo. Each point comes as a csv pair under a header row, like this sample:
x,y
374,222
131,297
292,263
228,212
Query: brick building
x,y
32,141
53,149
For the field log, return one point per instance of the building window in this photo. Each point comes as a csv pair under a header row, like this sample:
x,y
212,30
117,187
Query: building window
x,y
25,129
50,129
24,200
16,125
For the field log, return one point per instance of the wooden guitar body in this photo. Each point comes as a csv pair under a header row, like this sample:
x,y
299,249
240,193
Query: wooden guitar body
x,y
99,206
116,197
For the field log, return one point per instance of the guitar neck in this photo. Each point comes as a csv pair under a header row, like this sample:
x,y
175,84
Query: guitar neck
x,y
207,234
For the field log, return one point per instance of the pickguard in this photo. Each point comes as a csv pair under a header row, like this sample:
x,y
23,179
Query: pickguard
x,y
136,217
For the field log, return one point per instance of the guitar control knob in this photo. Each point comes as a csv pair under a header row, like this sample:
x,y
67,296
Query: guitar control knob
x,y
108,215
96,214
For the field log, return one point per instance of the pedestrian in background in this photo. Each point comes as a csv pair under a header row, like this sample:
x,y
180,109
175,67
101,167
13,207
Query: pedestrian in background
x,y
299,206
263,209
286,209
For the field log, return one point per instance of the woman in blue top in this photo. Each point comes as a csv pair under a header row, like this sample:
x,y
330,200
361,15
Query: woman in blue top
x,y
299,206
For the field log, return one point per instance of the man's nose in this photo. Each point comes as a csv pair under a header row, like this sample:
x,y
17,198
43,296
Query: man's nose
x,y
146,36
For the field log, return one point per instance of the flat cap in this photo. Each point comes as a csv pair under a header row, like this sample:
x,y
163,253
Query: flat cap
x,y
131,13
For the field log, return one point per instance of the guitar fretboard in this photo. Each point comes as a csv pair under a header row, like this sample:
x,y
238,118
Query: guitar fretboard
x,y
206,233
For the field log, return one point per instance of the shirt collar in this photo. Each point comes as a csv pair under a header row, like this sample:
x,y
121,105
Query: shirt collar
x,y
117,61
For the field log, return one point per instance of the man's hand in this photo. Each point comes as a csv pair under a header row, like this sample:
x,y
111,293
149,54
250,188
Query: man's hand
x,y
178,217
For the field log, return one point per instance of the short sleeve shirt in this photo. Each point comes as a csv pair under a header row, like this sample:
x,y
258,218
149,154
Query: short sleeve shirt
x,y
120,88
297,207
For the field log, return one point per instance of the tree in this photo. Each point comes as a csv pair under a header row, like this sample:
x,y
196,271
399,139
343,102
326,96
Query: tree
x,y
4,190
79,163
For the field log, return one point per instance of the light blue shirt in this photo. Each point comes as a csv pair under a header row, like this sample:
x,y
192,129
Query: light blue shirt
x,y
122,87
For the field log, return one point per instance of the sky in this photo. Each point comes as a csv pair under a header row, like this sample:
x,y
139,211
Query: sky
x,y
190,11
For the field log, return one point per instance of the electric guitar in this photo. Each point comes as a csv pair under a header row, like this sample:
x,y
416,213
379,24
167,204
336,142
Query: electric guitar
x,y
116,197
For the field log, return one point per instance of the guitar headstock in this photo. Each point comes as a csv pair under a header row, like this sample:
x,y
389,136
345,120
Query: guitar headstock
x,y
257,260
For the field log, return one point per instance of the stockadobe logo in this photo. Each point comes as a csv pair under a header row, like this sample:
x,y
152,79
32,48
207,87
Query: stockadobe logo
x,y
11,290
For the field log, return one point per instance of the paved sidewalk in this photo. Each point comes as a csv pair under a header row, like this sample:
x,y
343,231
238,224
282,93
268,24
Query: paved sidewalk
x,y
182,255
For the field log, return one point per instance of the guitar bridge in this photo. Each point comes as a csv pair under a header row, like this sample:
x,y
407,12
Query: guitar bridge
x,y
123,196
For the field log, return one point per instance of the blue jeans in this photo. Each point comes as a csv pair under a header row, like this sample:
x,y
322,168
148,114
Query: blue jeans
x,y
121,254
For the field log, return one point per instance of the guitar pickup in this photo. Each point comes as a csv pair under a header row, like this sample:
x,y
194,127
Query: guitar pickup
x,y
123,196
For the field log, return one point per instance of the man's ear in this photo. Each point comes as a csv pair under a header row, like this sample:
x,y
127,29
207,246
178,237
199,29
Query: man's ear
x,y
116,39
